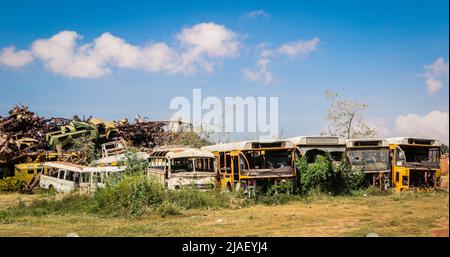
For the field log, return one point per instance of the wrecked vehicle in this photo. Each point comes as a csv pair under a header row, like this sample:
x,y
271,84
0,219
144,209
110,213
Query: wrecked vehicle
x,y
373,158
178,167
67,133
249,165
113,148
415,163
312,146
113,154
27,171
66,177
94,129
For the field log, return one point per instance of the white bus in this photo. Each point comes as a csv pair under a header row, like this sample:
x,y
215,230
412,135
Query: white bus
x,y
312,146
183,167
66,177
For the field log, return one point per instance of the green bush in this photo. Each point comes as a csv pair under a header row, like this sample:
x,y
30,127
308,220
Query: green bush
x,y
12,184
322,176
131,195
135,164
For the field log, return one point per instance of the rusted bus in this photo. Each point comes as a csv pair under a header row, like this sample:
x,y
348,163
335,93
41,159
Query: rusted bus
x,y
312,146
415,163
372,156
178,167
247,165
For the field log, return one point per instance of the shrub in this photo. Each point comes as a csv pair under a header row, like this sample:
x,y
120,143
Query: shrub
x,y
132,195
321,176
135,164
13,183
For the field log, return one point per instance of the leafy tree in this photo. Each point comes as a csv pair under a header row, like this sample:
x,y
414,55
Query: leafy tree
x,y
345,118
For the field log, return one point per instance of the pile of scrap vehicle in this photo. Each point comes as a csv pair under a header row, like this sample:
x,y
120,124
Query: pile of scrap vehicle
x,y
36,149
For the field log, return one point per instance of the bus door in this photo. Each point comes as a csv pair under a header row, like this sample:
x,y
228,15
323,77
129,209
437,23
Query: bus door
x,y
400,174
235,169
225,170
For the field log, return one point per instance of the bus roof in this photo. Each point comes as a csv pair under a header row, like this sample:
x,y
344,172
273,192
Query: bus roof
x,y
367,142
414,141
118,158
181,152
317,140
80,168
248,145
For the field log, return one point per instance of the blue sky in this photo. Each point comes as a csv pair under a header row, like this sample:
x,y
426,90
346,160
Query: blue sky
x,y
374,51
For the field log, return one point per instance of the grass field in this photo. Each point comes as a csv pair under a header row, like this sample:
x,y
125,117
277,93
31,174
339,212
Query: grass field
x,y
418,214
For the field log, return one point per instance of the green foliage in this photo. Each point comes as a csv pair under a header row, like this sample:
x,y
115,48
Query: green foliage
x,y
130,195
276,199
135,163
355,179
195,199
87,149
285,187
15,183
194,139
323,176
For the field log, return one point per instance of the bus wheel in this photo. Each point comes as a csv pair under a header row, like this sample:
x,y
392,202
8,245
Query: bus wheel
x,y
51,189
229,188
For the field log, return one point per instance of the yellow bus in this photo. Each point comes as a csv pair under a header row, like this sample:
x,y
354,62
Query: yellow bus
x,y
247,164
26,171
415,163
373,158
312,146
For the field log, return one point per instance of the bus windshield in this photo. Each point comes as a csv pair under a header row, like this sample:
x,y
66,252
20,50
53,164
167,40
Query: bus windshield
x,y
370,159
420,154
268,159
187,164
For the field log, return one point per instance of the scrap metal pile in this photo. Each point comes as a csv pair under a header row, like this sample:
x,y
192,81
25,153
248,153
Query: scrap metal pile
x,y
24,136
146,134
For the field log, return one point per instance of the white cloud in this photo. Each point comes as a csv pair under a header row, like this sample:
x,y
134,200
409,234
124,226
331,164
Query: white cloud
x,y
300,47
432,125
200,45
436,74
257,13
16,59
262,73
208,39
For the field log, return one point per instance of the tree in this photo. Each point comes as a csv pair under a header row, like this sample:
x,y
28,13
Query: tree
x,y
345,118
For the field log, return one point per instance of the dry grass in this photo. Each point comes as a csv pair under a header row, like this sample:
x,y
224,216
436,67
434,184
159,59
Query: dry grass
x,y
422,214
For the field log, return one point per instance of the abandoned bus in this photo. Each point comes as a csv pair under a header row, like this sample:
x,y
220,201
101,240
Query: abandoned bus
x,y
26,171
66,177
183,167
247,164
415,163
113,154
372,157
312,146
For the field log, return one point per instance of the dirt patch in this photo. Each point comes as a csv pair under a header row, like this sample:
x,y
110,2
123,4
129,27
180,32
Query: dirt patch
x,y
441,232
